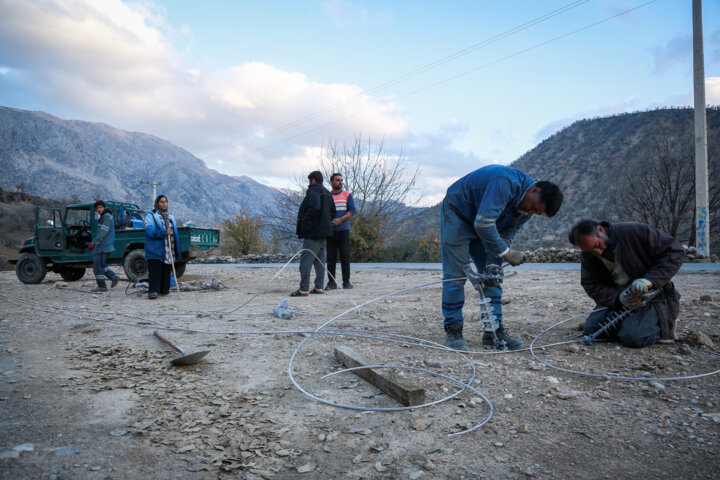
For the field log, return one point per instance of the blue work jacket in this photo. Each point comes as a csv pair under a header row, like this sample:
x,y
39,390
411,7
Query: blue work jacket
x,y
105,237
155,237
488,199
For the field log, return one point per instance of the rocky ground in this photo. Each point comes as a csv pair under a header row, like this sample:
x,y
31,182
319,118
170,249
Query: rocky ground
x,y
87,391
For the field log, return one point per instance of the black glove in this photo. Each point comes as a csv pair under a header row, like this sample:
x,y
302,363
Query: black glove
x,y
514,257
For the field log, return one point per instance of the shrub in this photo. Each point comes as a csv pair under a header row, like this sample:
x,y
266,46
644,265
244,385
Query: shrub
x,y
242,235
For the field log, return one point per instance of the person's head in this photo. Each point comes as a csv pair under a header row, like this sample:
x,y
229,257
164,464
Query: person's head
x,y
99,207
315,177
542,198
161,203
590,236
336,181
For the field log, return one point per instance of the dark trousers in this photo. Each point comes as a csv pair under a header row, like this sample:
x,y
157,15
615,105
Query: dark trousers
x,y
640,329
159,276
339,242
101,269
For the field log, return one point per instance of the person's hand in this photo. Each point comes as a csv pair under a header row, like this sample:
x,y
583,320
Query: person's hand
x,y
630,300
640,286
514,257
169,231
335,222
91,246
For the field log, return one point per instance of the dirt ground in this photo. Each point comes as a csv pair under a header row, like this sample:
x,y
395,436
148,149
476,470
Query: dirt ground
x,y
87,391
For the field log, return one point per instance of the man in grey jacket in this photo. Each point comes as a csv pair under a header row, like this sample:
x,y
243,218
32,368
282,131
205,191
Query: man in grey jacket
x,y
102,245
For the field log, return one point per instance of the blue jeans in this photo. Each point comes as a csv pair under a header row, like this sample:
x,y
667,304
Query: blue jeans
x,y
101,269
460,243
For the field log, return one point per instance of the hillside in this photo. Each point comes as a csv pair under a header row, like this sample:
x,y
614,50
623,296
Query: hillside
x,y
57,158
587,160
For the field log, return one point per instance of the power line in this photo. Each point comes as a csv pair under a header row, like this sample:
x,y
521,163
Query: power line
x,y
467,72
405,77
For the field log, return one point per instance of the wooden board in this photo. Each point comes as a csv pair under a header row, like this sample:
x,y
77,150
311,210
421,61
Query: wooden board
x,y
381,378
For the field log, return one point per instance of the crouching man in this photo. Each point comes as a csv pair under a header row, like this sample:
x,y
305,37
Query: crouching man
x,y
620,263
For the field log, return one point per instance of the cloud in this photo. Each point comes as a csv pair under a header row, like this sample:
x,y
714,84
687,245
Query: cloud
x,y
114,62
712,91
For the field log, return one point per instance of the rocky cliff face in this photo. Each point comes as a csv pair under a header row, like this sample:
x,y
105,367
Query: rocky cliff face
x,y
588,160
84,161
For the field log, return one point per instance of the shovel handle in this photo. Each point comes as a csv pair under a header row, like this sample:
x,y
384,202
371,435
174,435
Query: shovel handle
x,y
169,342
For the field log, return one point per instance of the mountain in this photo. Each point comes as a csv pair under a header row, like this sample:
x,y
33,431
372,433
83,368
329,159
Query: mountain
x,y
85,161
588,160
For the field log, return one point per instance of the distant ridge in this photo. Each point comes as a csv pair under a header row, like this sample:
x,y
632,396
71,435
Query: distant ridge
x,y
73,159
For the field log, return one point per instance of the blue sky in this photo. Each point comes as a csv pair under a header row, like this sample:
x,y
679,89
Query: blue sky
x,y
258,88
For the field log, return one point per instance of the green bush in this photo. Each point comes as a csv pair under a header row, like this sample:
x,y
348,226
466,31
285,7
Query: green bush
x,y
242,235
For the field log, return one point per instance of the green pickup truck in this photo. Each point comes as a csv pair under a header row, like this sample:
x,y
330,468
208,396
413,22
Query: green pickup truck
x,y
61,239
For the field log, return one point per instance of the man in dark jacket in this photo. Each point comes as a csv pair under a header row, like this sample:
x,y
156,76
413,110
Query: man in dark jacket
x,y
314,226
620,263
102,246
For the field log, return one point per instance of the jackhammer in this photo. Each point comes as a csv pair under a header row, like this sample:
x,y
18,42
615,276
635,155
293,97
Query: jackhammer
x,y
616,318
492,277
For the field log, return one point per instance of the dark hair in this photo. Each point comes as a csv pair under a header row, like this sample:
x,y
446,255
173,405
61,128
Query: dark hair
x,y
583,227
332,177
155,205
98,203
551,196
316,175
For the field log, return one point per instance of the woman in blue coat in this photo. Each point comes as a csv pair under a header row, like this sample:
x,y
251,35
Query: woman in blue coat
x,y
160,232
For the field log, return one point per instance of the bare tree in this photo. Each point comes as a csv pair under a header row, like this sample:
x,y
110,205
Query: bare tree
x,y
658,186
380,182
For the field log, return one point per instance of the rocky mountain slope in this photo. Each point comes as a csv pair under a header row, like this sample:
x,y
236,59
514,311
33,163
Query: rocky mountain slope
x,y
589,161
58,158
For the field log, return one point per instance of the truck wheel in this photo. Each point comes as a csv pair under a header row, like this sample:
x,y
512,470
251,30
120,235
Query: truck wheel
x,y
180,269
135,265
72,274
30,269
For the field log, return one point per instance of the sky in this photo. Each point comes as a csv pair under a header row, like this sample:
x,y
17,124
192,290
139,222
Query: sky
x,y
261,88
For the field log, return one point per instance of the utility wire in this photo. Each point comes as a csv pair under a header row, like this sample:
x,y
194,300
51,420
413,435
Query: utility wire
x,y
427,87
405,76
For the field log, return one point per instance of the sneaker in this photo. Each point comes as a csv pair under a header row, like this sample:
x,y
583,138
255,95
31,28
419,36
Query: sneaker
x,y
455,340
510,343
152,295
114,282
331,286
99,289
347,285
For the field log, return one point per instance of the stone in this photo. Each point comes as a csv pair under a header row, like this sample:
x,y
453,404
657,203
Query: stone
x,y
552,380
706,298
698,339
566,394
573,348
24,447
420,423
429,466
308,467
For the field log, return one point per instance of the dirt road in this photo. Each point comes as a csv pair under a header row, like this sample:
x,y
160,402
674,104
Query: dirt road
x,y
87,391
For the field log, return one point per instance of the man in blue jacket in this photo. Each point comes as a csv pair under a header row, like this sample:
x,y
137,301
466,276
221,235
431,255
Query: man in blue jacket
x,y
480,215
102,246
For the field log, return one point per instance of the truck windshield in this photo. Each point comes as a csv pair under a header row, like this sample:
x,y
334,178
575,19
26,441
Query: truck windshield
x,y
76,217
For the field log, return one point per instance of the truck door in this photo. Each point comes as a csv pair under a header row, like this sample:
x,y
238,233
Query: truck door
x,y
49,231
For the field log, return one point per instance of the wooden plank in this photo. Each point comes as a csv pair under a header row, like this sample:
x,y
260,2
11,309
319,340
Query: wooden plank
x,y
381,378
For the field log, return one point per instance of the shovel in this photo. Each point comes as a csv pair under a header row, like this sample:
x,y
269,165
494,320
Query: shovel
x,y
185,359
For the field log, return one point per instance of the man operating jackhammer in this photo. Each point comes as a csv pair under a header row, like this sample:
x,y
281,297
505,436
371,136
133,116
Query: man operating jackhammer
x,y
480,215
620,263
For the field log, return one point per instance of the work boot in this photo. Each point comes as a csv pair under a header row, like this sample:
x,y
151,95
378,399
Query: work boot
x,y
152,295
347,285
114,282
331,286
511,343
455,340
99,289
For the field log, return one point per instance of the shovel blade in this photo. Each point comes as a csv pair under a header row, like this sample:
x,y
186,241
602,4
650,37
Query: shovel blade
x,y
190,359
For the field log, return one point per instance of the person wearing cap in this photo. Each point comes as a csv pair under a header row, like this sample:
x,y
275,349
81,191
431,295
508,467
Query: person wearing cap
x,y
314,226
102,246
